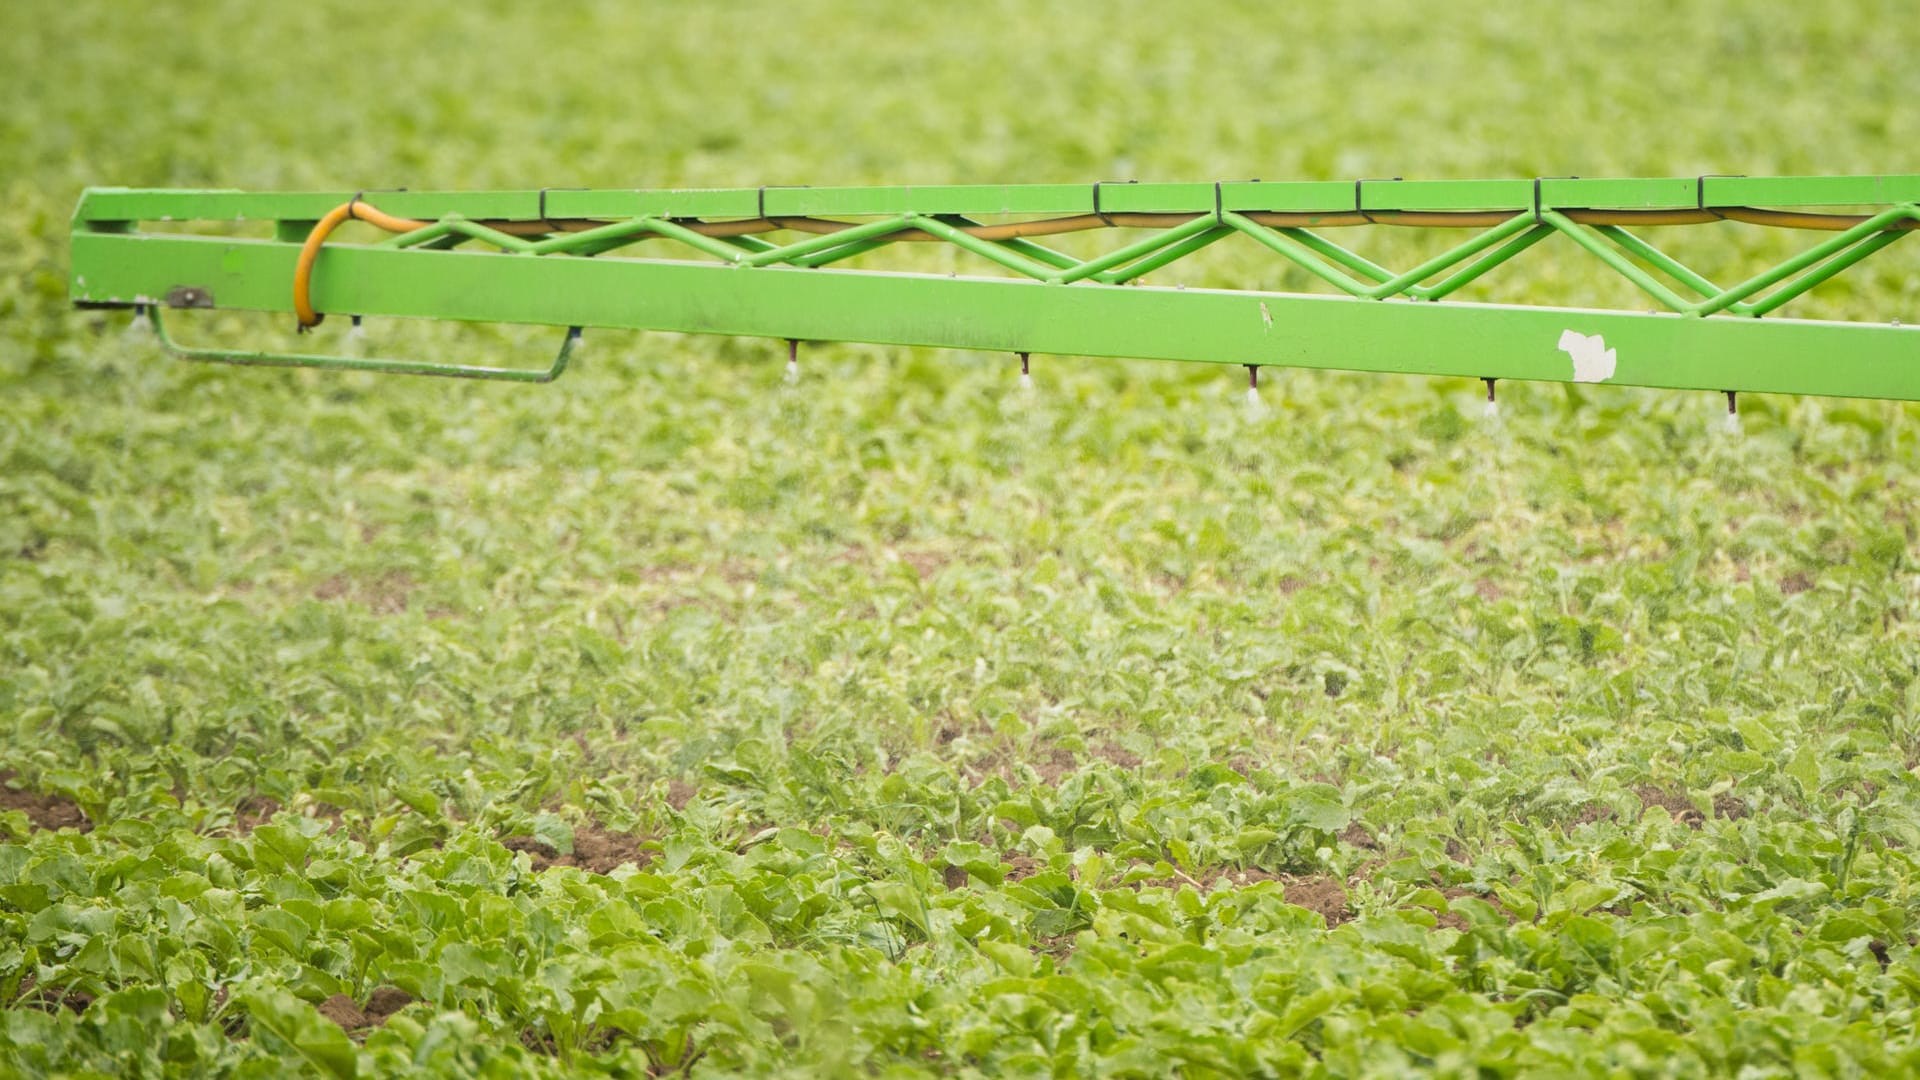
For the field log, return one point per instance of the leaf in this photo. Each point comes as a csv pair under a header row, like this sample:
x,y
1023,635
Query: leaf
x,y
553,830
1317,806
297,1025
1805,770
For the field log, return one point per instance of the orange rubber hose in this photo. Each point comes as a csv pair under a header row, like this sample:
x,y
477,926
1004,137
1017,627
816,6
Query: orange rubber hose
x,y
310,250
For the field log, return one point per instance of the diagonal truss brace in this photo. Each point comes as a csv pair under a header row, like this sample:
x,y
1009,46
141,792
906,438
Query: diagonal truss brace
x,y
410,272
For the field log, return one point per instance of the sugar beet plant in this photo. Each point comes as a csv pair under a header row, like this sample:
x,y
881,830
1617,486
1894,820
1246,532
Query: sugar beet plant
x,y
675,719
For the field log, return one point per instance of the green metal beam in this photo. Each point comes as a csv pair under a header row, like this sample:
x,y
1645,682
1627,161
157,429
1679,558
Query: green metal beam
x,y
108,205
996,314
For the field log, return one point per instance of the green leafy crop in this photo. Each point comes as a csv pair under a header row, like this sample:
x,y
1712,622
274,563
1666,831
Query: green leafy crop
x,y
672,720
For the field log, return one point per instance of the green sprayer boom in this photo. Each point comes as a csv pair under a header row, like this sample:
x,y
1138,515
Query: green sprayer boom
x,y
760,262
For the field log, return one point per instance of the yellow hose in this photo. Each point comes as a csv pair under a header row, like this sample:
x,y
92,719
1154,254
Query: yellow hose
x,y
309,251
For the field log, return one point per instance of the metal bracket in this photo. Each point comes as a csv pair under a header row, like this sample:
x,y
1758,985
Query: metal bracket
x,y
1700,191
1536,193
1359,206
1099,213
543,206
247,358
761,198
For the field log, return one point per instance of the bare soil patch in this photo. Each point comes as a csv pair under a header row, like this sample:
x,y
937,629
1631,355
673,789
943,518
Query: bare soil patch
x,y
51,812
386,594
1321,894
594,849
1593,812
255,811
1674,803
341,1010
1052,763
680,793
1020,866
1315,892
381,1004
1357,835
51,998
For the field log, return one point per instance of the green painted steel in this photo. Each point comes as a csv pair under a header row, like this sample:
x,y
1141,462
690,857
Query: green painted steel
x,y
1326,196
1204,325
254,358
559,260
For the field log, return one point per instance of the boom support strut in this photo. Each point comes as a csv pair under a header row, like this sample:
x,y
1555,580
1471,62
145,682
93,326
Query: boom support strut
x,y
563,258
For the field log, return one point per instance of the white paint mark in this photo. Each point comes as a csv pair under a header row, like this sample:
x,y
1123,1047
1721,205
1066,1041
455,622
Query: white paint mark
x,y
1266,316
1592,360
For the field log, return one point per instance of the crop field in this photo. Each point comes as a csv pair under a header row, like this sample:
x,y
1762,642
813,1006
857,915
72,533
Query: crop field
x,y
897,722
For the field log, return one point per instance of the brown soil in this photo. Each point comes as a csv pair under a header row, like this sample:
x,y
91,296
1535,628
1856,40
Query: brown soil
x,y
1488,590
51,998
1593,812
1059,947
925,563
1794,584
384,595
52,812
382,1004
955,877
1021,866
1115,754
1457,851
1052,763
1673,802
255,811
594,849
386,1001
1729,806
341,1010
680,793
1357,835
1320,894
1316,892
